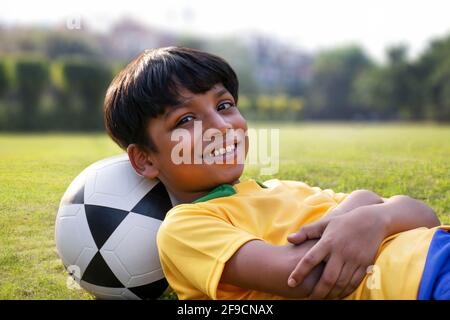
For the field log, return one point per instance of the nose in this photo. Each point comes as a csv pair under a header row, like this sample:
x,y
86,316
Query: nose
x,y
218,122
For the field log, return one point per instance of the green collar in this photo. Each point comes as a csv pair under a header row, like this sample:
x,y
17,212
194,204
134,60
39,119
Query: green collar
x,y
223,190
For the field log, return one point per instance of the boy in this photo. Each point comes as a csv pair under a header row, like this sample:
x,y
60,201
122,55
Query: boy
x,y
228,239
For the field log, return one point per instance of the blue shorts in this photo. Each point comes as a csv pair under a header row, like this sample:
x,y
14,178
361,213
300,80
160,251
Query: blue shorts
x,y
435,283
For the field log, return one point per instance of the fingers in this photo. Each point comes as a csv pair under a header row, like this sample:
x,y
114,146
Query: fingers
x,y
298,237
343,282
357,278
336,212
328,279
309,231
311,259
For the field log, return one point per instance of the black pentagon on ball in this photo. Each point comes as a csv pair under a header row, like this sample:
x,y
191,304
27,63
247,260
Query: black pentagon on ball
x,y
150,291
103,221
155,203
98,273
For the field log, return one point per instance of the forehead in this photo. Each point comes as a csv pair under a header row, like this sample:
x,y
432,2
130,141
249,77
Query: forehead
x,y
185,94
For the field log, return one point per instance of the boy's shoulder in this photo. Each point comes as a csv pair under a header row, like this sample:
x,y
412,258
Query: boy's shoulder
x,y
223,193
245,190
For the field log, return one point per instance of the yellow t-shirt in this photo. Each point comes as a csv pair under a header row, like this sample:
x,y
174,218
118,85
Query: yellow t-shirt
x,y
398,267
196,240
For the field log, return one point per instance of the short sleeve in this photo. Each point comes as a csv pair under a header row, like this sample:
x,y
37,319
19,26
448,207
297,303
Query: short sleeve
x,y
316,201
326,197
338,197
194,245
306,190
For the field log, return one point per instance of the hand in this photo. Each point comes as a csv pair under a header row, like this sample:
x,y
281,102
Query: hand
x,y
348,244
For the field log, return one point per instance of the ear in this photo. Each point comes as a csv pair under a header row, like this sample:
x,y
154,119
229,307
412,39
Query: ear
x,y
142,162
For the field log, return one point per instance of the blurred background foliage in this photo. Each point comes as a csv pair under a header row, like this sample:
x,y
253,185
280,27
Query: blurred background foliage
x,y
56,78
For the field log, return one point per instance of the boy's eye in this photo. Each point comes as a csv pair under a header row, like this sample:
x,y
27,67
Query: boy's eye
x,y
184,120
225,105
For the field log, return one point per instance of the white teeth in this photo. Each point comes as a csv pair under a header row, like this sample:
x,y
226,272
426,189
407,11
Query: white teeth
x,y
222,151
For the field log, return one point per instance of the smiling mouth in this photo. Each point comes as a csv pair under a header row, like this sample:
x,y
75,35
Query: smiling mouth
x,y
223,152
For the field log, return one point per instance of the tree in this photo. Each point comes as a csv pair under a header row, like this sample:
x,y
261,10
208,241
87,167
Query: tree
x,y
334,71
32,78
85,83
238,56
434,67
403,84
4,85
370,93
392,90
71,43
4,81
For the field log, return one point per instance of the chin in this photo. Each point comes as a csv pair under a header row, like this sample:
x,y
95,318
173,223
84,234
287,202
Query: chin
x,y
230,175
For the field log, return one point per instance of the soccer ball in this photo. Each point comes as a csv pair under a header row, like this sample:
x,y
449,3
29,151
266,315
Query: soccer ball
x,y
106,231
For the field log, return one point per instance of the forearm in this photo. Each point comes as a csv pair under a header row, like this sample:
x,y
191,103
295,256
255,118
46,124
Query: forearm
x,y
263,267
402,213
356,199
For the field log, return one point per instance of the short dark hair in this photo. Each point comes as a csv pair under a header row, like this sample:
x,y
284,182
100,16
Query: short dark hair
x,y
151,83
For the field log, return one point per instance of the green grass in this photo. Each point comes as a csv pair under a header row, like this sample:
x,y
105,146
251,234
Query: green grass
x,y
36,169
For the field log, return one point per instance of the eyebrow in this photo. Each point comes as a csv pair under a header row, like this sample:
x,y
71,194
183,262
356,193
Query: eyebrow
x,y
218,94
221,92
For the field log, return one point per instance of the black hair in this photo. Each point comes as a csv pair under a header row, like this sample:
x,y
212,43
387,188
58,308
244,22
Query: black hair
x,y
151,83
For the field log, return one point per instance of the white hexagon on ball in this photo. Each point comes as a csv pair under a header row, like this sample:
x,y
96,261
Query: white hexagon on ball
x,y
116,183
74,241
129,265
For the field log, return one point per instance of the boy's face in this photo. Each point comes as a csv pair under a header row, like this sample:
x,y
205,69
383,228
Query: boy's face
x,y
199,126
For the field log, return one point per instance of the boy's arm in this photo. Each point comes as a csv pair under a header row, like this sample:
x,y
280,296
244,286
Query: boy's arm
x,y
405,213
260,266
401,213
264,267
356,199
369,224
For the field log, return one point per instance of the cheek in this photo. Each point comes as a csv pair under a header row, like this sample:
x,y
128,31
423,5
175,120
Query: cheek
x,y
180,144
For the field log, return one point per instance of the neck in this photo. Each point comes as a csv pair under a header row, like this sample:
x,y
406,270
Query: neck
x,y
179,197
185,197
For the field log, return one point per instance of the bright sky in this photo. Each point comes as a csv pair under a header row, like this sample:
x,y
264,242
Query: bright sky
x,y
312,25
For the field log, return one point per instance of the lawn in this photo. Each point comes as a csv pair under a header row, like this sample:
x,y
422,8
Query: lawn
x,y
35,170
